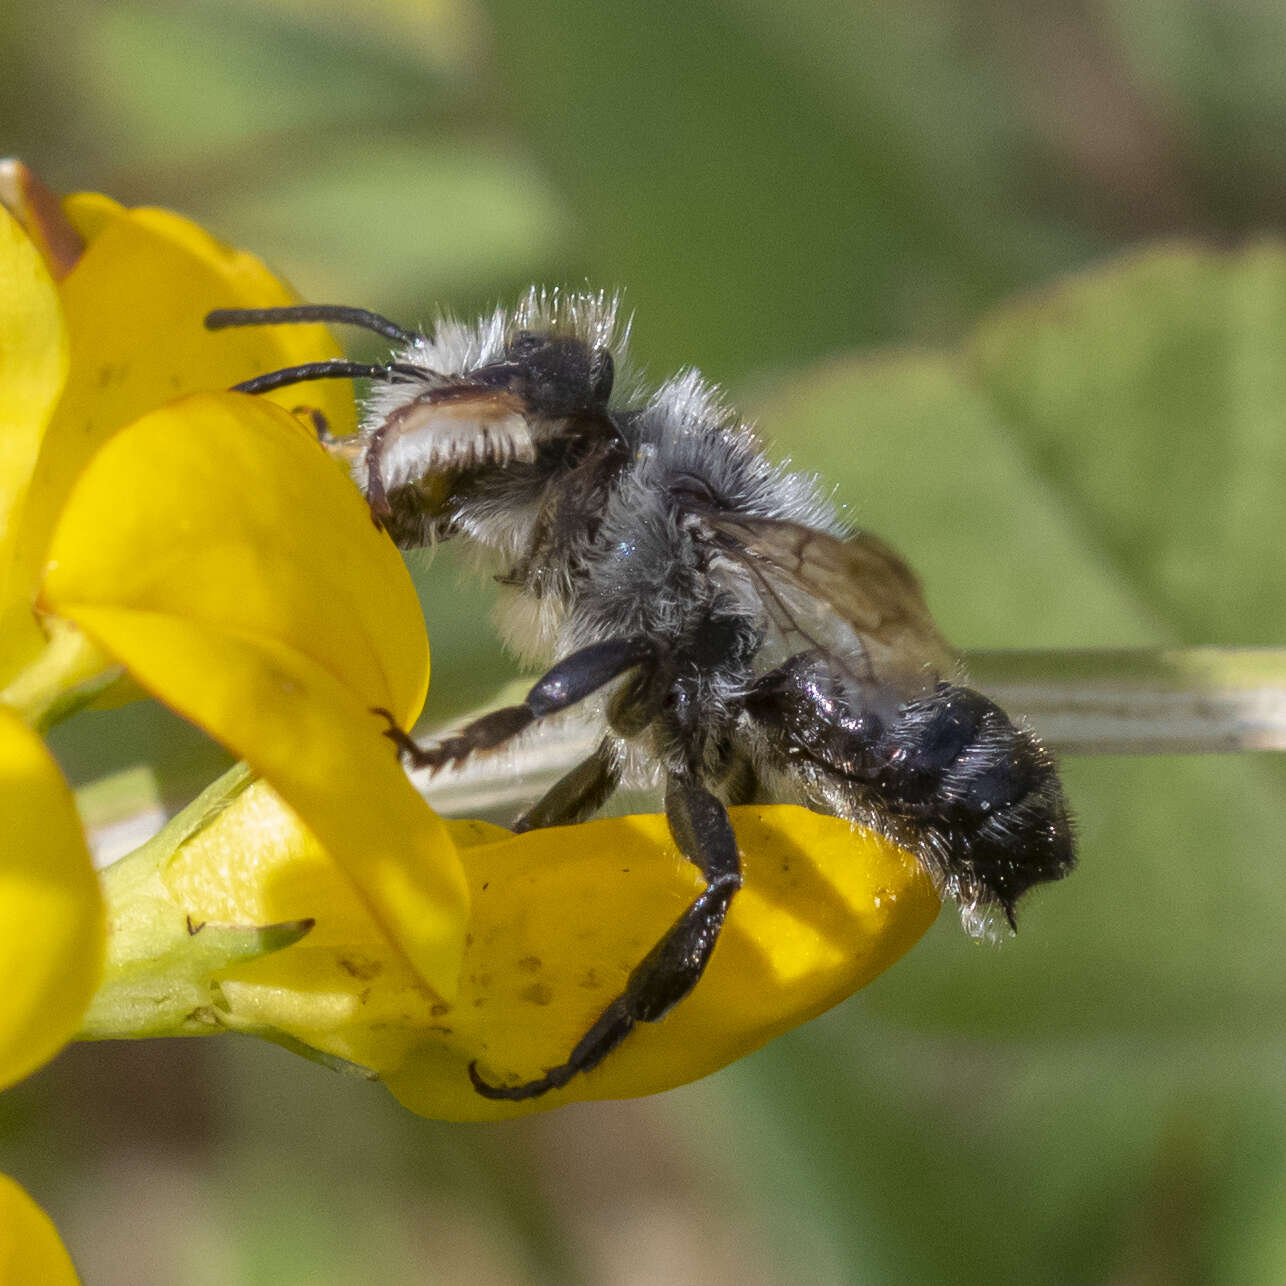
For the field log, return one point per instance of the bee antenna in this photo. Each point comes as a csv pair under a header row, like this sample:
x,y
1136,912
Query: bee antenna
x,y
337,369
222,318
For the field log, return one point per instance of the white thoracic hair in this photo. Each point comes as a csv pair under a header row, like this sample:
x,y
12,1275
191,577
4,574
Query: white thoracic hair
x,y
688,429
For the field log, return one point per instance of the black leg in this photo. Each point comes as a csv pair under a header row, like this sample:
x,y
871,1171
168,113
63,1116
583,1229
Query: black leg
x,y
577,795
321,425
573,679
703,832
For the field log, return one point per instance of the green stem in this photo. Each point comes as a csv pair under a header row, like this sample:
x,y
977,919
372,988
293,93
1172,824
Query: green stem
x,y
1150,701
1155,701
67,675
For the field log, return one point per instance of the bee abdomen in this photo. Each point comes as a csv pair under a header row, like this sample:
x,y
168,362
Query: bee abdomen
x,y
985,792
948,774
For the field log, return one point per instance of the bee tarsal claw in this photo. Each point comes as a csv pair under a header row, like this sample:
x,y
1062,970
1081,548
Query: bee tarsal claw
x,y
405,743
512,1093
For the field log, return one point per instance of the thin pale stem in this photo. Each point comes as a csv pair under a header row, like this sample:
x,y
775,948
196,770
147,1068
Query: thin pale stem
x,y
1150,701
1156,701
1202,700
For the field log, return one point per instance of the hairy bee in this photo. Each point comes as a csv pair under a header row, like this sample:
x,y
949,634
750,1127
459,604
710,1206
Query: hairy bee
x,y
743,643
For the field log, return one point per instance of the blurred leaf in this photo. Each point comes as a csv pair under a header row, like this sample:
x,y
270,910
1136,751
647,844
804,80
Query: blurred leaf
x,y
444,35
406,221
919,455
1216,68
1152,398
260,75
754,217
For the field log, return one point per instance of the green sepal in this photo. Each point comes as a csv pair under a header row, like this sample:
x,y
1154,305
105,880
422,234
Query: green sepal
x,y
160,969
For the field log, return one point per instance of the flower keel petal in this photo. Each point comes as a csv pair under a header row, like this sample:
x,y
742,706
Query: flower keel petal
x,y
217,552
33,367
51,914
559,919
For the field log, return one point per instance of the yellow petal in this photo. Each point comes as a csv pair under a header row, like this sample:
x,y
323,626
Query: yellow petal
x,y
51,913
562,916
33,366
559,919
214,549
90,212
30,1250
218,508
134,304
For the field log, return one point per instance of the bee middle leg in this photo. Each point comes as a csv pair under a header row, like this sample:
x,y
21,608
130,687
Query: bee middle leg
x,y
573,679
577,795
703,831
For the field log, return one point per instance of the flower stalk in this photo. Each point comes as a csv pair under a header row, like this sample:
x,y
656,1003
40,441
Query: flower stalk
x,y
65,676
1143,701
1081,701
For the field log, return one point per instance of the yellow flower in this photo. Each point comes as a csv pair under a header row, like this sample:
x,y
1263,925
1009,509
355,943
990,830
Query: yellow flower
x,y
214,549
207,544
559,919
51,916
119,334
29,1247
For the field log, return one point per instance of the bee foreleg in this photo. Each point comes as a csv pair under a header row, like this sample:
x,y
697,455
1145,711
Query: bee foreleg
x,y
704,834
573,679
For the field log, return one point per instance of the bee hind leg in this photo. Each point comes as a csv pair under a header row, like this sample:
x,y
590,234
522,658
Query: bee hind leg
x,y
577,795
700,825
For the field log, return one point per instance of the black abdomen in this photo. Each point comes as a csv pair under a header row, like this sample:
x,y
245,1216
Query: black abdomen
x,y
948,773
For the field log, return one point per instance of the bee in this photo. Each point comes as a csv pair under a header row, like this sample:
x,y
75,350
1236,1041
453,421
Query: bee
x,y
737,639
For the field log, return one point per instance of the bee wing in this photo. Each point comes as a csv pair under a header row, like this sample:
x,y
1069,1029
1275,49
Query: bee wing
x,y
806,576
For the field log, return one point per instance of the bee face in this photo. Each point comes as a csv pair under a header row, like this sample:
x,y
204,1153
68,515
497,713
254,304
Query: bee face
x,y
750,645
555,375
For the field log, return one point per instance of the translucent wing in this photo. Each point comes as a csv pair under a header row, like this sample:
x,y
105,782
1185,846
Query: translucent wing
x,y
826,589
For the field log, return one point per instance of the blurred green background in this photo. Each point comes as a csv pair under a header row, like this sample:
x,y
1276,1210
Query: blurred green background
x,y
825,205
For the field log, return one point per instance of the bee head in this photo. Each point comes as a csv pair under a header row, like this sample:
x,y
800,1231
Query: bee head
x,y
556,374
